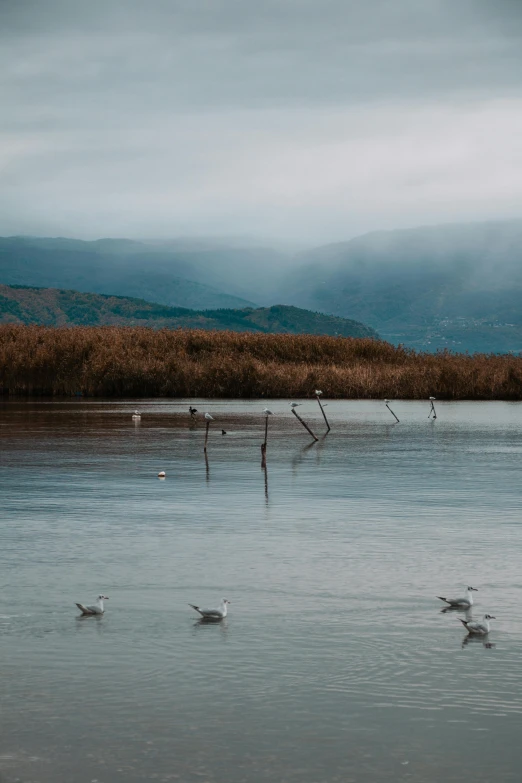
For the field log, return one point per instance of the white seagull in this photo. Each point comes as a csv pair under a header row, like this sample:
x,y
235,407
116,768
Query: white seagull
x,y
136,415
460,603
318,393
208,417
480,628
213,614
267,412
96,609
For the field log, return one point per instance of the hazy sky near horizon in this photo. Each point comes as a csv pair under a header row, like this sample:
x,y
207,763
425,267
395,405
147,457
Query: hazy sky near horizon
x,y
293,119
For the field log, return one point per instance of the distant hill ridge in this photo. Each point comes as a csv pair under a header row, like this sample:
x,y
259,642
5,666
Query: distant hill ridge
x,y
456,286
57,307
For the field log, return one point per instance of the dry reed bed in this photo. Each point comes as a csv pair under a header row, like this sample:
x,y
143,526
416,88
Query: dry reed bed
x,y
142,362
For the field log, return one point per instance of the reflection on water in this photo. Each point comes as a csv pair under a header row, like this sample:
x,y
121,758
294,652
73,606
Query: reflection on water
x,y
336,661
483,641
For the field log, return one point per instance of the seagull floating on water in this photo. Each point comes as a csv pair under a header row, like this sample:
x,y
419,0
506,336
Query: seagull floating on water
x,y
213,614
136,415
461,603
208,417
475,627
96,609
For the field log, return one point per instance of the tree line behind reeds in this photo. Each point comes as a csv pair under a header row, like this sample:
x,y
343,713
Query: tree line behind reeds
x,y
142,362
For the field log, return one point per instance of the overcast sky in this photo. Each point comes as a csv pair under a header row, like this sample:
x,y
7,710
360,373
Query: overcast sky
x,y
309,120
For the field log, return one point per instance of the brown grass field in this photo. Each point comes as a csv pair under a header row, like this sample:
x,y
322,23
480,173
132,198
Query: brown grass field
x,y
141,362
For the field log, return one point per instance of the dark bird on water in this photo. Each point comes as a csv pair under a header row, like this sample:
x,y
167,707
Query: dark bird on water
x,y
192,410
223,432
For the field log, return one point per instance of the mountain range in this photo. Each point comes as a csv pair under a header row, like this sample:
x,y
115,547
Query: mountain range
x,y
452,286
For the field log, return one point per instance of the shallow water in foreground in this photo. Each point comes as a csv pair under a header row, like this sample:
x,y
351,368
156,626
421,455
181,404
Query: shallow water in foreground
x,y
335,663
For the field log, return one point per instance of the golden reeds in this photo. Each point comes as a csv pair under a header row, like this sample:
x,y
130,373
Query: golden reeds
x,y
141,362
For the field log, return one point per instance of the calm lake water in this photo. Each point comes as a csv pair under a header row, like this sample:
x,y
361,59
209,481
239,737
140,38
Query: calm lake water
x,y
335,662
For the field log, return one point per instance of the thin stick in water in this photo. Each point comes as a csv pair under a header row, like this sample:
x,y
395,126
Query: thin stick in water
x,y
263,445
392,413
305,425
322,411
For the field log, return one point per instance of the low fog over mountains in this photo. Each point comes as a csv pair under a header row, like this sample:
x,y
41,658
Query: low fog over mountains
x,y
455,286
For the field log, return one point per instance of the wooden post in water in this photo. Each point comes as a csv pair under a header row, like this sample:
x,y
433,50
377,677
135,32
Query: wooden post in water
x,y
263,445
206,436
266,483
392,413
432,409
322,411
305,425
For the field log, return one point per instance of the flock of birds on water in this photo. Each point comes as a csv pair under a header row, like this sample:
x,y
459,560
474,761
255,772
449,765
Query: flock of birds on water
x,y
136,416
465,603
97,609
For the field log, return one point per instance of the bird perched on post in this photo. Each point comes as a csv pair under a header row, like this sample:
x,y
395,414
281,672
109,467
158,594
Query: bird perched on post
x,y
208,417
295,404
267,412
318,393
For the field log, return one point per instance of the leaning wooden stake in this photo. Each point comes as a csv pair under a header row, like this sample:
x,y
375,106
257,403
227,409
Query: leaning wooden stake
x,y
206,435
322,411
305,425
392,413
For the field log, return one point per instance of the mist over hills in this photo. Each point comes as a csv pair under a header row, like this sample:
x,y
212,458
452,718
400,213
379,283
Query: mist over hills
x,y
120,267
185,272
456,286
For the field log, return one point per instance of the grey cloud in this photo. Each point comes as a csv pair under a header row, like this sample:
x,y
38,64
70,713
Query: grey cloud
x,y
206,113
